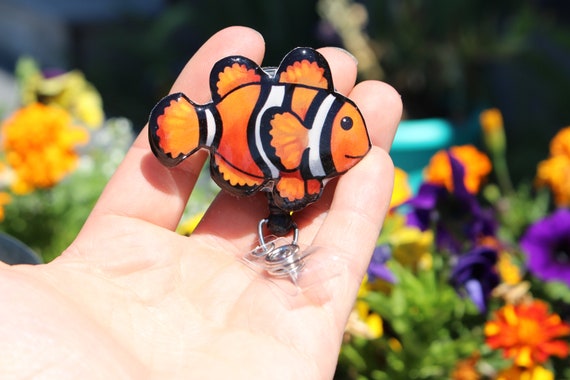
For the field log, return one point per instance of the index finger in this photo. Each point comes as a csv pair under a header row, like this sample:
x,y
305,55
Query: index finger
x,y
142,188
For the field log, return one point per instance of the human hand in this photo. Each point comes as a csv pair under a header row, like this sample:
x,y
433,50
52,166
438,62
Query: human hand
x,y
130,298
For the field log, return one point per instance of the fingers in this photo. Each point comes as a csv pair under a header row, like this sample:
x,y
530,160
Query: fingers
x,y
361,200
362,195
350,230
381,106
343,68
142,188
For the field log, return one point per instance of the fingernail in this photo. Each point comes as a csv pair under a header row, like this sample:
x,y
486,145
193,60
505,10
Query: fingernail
x,y
348,53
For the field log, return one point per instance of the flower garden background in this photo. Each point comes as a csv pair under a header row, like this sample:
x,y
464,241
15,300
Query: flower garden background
x,y
470,278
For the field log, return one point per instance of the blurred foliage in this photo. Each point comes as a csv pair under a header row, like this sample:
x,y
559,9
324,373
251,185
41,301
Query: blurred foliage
x,y
134,61
447,58
436,52
430,320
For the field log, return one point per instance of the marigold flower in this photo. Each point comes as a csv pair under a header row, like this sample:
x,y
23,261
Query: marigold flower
x,y
40,143
466,369
476,164
5,198
491,120
521,373
493,131
527,333
560,143
555,174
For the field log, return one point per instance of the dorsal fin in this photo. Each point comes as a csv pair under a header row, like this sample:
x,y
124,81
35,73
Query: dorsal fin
x,y
305,66
231,72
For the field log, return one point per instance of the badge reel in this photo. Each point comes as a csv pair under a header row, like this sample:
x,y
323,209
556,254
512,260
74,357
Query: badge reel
x,y
283,131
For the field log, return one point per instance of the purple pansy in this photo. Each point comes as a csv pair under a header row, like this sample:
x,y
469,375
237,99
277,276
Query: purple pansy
x,y
546,245
475,275
377,269
457,217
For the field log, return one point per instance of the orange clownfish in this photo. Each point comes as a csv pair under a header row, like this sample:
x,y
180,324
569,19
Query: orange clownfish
x,y
280,130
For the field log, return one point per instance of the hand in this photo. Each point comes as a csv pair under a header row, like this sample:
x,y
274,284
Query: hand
x,y
130,298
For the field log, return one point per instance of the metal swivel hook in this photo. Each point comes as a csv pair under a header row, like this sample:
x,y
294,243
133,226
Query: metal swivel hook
x,y
279,260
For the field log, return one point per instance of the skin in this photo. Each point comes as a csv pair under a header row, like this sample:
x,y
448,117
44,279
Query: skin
x,y
132,299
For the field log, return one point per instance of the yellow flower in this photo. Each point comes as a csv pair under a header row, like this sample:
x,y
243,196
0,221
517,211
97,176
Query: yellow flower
x,y
412,247
521,373
88,108
475,163
5,198
189,225
555,174
510,272
40,143
402,191
362,322
69,90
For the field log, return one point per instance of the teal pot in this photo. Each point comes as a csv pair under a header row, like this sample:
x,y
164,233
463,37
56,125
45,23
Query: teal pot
x,y
415,143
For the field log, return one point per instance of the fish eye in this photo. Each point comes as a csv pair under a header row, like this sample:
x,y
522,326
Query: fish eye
x,y
346,123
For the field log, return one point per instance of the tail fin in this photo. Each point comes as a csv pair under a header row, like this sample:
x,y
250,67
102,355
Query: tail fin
x,y
174,129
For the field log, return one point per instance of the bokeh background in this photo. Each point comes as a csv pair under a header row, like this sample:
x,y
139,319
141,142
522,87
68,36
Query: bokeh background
x,y
447,58
424,308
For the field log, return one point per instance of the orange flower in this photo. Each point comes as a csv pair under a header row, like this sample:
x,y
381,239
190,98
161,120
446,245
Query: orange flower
x,y
466,369
554,172
493,131
491,120
527,333
40,143
476,164
5,198
560,143
519,373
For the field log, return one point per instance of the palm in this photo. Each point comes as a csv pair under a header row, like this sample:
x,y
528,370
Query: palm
x,y
132,298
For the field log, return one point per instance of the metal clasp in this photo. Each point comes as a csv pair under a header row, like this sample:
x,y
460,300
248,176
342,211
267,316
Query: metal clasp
x,y
278,260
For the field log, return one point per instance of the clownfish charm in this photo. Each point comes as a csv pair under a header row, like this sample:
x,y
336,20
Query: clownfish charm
x,y
284,131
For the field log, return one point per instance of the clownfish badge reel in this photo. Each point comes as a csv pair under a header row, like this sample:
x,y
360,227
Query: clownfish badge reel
x,y
282,131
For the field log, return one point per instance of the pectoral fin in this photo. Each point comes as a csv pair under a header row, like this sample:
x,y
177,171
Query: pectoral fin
x,y
290,138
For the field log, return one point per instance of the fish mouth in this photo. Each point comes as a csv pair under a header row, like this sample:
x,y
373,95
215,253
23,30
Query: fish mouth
x,y
354,157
